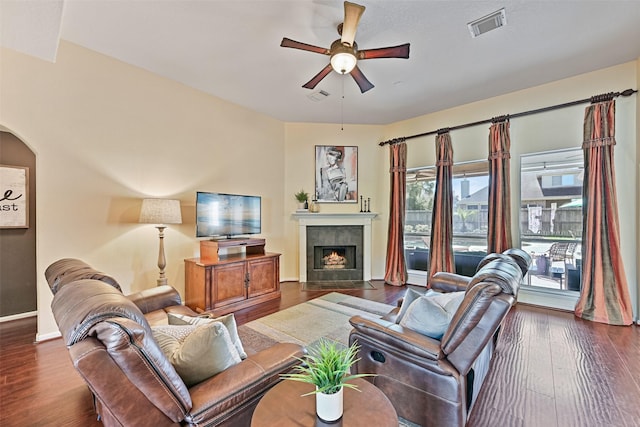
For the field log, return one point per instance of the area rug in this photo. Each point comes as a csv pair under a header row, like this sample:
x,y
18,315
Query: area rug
x,y
324,317
341,285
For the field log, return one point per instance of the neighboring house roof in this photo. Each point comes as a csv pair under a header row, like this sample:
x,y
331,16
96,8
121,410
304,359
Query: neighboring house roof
x,y
479,197
530,185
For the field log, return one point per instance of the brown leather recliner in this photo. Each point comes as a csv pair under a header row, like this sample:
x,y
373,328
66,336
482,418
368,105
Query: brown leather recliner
x,y
452,282
112,347
435,382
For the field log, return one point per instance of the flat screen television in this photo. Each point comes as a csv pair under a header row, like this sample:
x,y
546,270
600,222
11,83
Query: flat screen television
x,y
227,215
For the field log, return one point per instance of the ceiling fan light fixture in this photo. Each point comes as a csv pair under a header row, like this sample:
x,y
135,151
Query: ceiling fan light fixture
x,y
344,53
343,62
343,57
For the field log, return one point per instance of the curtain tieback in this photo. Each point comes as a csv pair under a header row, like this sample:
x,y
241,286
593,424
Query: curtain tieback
x,y
599,142
444,163
500,155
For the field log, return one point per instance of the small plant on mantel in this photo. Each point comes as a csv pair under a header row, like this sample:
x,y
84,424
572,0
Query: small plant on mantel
x,y
302,196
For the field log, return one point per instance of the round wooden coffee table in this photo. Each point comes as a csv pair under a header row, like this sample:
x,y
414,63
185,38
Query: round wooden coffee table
x,y
284,406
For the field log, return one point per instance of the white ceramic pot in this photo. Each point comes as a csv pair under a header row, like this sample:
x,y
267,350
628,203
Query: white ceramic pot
x,y
329,406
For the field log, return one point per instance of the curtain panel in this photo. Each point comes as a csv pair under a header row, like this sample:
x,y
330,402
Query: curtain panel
x,y
605,294
441,244
499,227
395,266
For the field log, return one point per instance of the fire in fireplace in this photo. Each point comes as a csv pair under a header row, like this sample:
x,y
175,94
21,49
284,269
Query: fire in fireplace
x,y
334,253
334,259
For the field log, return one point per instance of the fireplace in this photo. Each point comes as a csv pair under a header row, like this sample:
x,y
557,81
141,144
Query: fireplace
x,y
334,252
336,221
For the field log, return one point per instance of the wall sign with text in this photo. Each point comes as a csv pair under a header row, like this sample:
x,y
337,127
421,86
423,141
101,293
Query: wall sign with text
x,y
14,197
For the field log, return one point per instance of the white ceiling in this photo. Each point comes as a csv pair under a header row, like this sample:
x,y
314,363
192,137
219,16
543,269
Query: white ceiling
x,y
231,48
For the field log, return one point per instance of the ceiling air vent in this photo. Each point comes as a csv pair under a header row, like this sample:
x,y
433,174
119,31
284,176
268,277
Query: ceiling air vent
x,y
487,23
318,95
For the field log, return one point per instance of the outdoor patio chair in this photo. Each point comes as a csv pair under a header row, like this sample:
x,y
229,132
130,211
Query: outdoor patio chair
x,y
560,257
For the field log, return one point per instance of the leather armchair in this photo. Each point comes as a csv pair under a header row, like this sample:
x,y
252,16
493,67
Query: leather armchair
x,y
111,345
452,282
435,382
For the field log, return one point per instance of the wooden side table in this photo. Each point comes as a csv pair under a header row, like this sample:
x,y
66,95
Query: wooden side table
x,y
284,406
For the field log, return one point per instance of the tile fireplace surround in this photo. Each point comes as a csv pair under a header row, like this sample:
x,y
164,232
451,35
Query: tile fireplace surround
x,y
334,219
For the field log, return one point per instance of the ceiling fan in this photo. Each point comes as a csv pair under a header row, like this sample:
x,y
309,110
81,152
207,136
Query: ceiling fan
x,y
344,52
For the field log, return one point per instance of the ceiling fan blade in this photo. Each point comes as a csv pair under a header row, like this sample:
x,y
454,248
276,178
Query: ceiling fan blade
x,y
352,14
361,80
303,46
400,51
318,77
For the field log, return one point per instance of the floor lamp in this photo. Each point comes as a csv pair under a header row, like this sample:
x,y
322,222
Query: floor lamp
x,y
161,212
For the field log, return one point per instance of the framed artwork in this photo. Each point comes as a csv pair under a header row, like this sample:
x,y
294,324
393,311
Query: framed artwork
x,y
14,197
336,174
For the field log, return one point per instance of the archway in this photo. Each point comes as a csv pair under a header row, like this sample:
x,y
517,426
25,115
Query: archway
x,y
18,271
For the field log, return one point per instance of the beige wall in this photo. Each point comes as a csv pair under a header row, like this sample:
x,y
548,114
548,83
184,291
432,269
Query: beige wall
x,y
107,134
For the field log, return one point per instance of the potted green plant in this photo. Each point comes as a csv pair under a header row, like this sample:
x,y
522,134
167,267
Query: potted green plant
x,y
302,197
327,366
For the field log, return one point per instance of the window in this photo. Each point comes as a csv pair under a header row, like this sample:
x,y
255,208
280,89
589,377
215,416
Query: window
x,y
551,217
470,214
566,180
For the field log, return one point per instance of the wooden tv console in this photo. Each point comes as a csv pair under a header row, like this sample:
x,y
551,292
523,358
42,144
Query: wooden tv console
x,y
223,283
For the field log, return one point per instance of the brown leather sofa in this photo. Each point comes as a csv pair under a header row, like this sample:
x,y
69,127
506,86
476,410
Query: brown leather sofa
x,y
110,343
435,382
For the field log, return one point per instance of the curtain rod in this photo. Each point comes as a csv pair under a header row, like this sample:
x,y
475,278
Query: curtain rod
x,y
597,98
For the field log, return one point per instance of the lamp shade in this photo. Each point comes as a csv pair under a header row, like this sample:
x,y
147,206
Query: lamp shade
x,y
160,211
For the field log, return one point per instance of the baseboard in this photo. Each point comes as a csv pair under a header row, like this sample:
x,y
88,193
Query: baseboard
x,y
417,277
550,298
49,336
18,316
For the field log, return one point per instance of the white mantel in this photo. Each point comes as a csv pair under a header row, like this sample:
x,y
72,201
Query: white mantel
x,y
311,219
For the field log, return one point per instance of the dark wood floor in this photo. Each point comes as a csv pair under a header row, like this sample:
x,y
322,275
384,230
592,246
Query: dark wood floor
x,y
551,370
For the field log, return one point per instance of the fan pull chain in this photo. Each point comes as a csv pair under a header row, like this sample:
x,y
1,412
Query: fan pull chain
x,y
342,106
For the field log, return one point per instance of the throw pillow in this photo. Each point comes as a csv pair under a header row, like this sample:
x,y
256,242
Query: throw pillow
x,y
197,352
450,301
409,297
229,321
426,317
431,314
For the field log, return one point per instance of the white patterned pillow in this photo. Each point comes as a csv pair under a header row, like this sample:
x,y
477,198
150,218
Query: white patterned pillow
x,y
229,321
197,352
